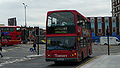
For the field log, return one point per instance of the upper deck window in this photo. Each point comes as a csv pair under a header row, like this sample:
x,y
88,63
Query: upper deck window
x,y
61,22
11,29
60,19
5,29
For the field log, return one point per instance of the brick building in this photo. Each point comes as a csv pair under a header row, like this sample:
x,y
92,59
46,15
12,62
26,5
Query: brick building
x,y
99,25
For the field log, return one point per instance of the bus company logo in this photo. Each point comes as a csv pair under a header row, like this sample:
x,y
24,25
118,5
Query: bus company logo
x,y
56,55
79,29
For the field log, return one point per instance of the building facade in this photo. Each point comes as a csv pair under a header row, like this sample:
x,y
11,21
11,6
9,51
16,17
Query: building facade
x,y
99,26
115,8
12,22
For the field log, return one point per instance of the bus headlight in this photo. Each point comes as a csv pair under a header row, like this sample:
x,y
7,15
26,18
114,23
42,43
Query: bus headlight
x,y
48,55
74,54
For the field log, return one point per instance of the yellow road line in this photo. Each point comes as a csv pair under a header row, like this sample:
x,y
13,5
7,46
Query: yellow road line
x,y
90,60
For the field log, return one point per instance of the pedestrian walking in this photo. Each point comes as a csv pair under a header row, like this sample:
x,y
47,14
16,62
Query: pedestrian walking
x,y
1,51
34,46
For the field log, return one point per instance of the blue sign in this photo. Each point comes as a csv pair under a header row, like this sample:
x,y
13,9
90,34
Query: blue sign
x,y
5,33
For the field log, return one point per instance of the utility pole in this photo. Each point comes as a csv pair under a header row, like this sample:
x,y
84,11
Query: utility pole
x,y
25,35
108,40
25,6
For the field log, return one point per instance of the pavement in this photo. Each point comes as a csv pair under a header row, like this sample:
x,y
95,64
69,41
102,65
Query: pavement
x,y
104,61
101,59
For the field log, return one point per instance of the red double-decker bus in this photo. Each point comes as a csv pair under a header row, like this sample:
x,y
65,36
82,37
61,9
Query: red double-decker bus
x,y
68,35
10,35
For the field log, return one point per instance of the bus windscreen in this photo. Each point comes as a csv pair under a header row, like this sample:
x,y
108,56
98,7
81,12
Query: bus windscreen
x,y
58,43
61,22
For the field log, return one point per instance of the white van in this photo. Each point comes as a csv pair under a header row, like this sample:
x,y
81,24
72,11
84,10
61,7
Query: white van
x,y
112,41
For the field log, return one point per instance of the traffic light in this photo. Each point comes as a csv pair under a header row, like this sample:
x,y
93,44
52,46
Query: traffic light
x,y
36,31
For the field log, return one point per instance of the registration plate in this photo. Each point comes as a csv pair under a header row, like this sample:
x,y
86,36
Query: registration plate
x,y
60,59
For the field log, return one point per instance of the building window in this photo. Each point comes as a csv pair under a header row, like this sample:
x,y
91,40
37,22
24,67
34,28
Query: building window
x,y
106,23
99,19
113,24
92,20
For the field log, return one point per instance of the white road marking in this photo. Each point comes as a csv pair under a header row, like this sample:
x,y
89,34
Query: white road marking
x,y
32,56
6,57
4,50
13,61
17,59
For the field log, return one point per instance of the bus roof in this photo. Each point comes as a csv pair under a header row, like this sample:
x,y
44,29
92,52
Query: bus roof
x,y
9,26
73,11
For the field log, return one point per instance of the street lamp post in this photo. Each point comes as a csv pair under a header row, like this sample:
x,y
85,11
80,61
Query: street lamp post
x,y
25,6
25,37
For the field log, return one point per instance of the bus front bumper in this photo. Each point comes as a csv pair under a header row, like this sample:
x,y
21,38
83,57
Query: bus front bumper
x,y
62,59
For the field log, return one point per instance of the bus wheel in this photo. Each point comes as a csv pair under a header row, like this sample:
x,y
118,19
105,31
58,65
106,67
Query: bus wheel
x,y
82,56
57,62
89,52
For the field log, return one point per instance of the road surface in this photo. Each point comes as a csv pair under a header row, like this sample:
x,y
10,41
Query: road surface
x,y
19,56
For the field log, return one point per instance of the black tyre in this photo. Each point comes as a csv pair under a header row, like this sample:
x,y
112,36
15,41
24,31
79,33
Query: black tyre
x,y
57,62
82,57
105,44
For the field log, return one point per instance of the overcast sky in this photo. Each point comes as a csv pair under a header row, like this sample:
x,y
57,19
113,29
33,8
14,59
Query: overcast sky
x,y
37,9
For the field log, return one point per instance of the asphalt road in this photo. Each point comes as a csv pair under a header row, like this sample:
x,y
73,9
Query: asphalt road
x,y
16,57
103,50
